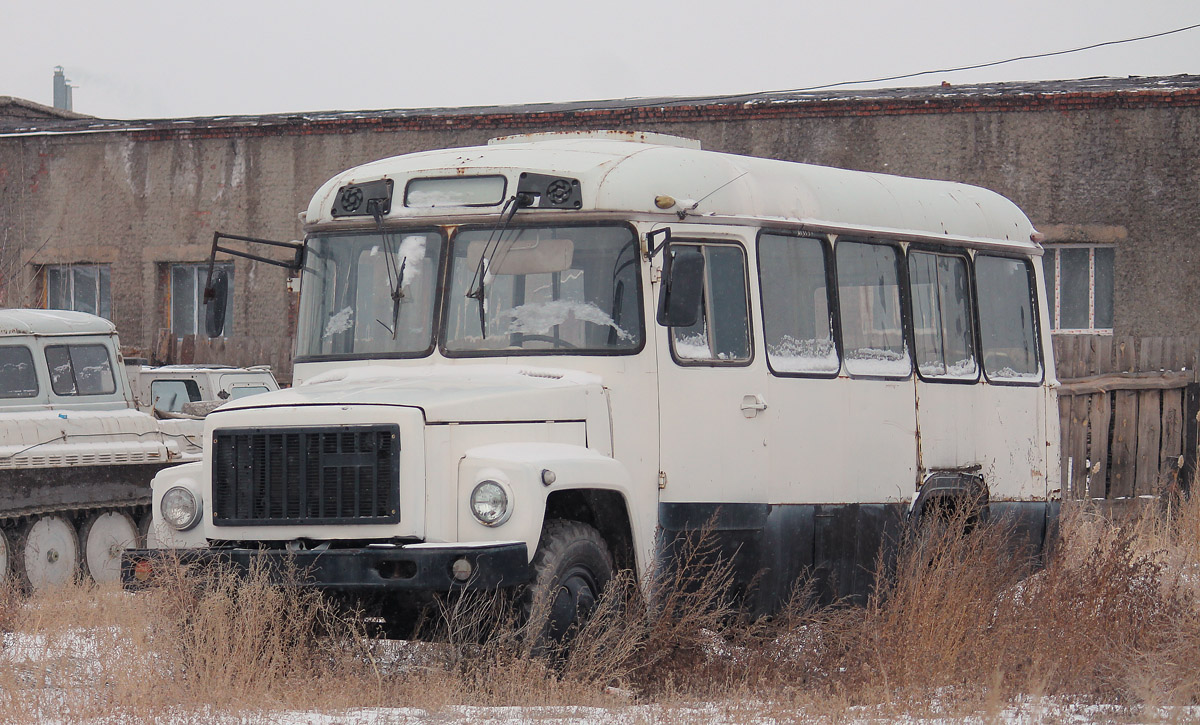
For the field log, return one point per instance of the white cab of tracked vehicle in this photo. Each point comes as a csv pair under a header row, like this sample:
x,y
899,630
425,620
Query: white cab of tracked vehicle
x,y
65,402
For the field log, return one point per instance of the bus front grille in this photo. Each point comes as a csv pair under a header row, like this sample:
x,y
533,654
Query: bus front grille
x,y
308,475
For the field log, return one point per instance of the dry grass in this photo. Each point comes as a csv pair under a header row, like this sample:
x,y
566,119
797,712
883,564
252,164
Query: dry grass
x,y
960,626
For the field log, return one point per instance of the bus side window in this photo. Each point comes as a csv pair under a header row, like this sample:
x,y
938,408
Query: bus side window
x,y
722,333
795,295
1006,320
869,299
940,290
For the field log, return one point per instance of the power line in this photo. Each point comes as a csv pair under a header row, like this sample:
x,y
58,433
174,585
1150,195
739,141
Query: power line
x,y
989,64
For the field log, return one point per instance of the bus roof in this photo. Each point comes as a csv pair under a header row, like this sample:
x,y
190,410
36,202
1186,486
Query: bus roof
x,y
627,172
15,322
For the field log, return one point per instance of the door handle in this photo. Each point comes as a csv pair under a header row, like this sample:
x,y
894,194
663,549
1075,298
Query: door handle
x,y
751,404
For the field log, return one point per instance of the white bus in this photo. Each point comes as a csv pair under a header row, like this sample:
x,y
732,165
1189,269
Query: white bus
x,y
537,360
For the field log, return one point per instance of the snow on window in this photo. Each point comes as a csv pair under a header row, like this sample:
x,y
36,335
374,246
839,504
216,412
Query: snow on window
x,y
411,253
339,322
878,361
725,337
1006,320
869,299
789,355
540,318
941,305
796,306
692,346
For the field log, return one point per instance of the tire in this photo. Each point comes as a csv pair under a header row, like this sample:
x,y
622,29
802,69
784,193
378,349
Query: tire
x,y
573,566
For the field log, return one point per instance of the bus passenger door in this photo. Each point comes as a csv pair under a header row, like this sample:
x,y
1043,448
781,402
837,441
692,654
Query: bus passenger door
x,y
713,415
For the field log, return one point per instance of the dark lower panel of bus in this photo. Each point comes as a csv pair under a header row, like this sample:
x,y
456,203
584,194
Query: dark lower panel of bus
x,y
833,549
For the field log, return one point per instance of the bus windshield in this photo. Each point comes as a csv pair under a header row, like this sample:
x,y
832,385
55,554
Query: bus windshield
x,y
524,290
367,293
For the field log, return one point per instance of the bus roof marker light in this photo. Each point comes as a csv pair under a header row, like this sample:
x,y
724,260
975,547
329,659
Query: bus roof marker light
x,y
663,201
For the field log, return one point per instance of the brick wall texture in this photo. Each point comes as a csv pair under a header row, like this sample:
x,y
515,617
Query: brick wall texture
x,y
1122,165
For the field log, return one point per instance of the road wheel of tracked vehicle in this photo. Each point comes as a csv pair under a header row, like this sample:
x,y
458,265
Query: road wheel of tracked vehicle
x,y
5,557
573,566
105,537
49,552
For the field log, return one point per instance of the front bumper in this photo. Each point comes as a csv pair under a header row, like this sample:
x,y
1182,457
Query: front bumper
x,y
400,568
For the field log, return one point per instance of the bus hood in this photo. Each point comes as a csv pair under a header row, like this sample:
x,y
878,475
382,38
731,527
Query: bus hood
x,y
467,393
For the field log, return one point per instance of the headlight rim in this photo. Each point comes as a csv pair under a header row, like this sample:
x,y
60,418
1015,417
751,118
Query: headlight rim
x,y
508,502
197,512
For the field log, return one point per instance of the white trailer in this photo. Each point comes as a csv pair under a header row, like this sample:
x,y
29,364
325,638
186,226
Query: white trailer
x,y
540,359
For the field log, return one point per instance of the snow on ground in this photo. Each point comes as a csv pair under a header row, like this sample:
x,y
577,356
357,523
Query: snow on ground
x,y
86,651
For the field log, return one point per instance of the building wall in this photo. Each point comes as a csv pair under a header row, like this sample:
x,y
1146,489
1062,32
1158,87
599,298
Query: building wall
x,y
1119,172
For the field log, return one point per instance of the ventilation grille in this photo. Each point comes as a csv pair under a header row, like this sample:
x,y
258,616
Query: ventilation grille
x,y
328,475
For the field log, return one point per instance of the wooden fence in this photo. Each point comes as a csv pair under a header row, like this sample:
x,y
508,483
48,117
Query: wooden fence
x,y
1127,408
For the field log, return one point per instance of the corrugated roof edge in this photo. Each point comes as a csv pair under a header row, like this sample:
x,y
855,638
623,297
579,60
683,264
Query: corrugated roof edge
x,y
1132,91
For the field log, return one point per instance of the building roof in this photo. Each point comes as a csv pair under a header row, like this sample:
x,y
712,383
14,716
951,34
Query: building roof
x,y
20,113
1079,94
52,322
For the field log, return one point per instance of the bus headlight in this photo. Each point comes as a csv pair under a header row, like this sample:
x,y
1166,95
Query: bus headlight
x,y
180,508
490,503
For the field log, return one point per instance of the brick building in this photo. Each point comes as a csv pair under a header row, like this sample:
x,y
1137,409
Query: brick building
x,y
116,216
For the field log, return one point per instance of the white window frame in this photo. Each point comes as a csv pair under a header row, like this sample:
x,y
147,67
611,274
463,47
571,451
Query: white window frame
x,y
1056,280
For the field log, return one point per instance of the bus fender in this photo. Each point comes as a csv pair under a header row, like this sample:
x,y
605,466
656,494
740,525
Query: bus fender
x,y
529,473
956,488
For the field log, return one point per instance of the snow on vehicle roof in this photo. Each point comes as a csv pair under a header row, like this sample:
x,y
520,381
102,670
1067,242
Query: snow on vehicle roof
x,y
626,172
52,322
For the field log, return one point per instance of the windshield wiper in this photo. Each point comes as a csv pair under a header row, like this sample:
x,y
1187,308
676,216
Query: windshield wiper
x,y
395,273
477,293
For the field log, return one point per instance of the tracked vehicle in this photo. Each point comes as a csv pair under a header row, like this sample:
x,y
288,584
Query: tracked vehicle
x,y
76,456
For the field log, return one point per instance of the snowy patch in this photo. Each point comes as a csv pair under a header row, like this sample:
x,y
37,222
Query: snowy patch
x,y
339,322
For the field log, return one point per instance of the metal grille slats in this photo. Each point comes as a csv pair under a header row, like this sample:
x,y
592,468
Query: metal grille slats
x,y
326,475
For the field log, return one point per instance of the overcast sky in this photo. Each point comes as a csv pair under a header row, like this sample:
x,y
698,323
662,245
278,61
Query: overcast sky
x,y
152,59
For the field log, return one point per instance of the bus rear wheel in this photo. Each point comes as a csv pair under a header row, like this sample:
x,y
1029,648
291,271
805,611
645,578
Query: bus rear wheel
x,y
573,566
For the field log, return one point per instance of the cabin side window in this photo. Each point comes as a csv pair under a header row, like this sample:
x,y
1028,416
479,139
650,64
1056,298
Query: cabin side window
x,y
722,331
1006,320
18,378
795,299
80,370
872,323
940,290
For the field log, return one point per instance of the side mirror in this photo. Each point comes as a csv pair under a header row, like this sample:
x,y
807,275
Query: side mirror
x,y
215,299
682,287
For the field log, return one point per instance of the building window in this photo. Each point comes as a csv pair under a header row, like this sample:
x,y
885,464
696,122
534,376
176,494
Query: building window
x,y
79,287
187,298
1079,287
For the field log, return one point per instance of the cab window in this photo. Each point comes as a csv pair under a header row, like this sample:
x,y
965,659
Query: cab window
x,y
722,331
18,378
80,370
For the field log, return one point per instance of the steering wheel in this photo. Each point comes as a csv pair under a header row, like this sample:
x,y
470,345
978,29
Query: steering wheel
x,y
558,342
